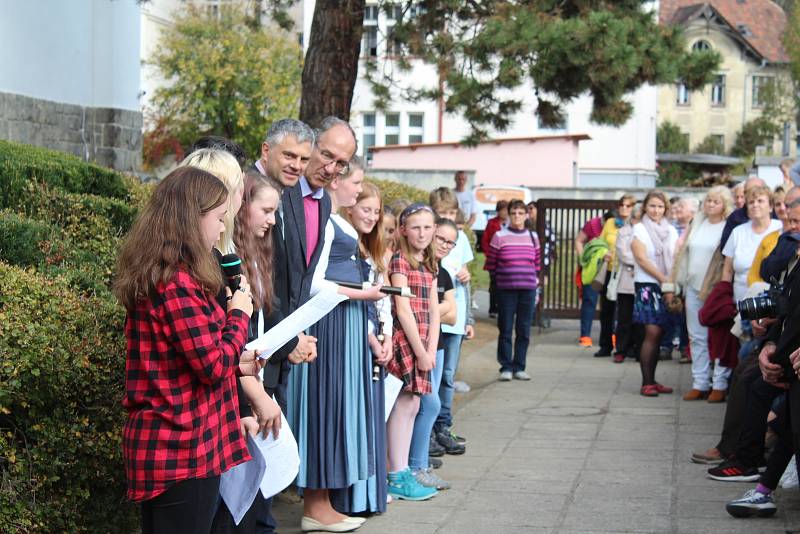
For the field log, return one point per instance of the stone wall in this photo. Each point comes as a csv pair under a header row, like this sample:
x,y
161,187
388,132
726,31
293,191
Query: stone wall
x,y
106,136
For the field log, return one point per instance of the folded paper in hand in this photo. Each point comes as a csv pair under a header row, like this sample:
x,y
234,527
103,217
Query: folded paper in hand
x,y
309,313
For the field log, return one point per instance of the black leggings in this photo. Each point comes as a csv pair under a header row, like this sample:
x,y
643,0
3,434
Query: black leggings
x,y
186,507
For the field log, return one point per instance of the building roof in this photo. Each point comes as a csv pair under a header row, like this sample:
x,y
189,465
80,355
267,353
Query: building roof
x,y
759,23
413,146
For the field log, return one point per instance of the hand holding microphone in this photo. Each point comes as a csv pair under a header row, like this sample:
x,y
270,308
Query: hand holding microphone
x,y
238,288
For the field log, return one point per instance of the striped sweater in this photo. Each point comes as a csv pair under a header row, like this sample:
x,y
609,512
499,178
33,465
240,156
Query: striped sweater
x,y
514,259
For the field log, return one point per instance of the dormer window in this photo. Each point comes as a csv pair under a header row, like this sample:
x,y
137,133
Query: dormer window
x,y
701,45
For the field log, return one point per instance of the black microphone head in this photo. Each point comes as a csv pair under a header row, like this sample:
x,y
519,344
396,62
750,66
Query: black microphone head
x,y
231,265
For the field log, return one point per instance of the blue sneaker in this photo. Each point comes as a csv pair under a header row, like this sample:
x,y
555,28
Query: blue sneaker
x,y
752,503
403,485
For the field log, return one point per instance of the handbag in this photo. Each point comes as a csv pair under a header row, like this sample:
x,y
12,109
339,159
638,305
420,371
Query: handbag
x,y
599,281
613,284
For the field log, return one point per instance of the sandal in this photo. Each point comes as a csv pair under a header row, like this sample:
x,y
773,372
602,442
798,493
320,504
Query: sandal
x,y
650,390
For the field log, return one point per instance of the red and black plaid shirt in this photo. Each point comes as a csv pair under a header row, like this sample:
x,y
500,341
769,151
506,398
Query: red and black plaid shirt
x,y
180,383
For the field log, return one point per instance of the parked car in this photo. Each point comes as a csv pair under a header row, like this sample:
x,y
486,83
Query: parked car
x,y
486,198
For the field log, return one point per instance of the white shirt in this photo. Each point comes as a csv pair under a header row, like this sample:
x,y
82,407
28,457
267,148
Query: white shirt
x,y
640,233
459,256
465,202
703,241
742,246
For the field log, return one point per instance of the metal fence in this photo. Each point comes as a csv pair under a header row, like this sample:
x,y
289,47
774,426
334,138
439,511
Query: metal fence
x,y
560,296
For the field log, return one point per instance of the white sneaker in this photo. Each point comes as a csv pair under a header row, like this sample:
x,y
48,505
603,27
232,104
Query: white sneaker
x,y
505,376
460,387
522,375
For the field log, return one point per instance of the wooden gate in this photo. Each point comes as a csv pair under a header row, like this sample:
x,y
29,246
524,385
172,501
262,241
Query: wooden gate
x,y
560,296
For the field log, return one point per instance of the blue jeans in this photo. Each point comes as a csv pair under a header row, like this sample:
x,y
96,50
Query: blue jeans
x,y
452,353
515,309
588,306
423,425
676,325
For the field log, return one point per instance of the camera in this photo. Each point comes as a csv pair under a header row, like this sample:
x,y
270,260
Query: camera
x,y
770,303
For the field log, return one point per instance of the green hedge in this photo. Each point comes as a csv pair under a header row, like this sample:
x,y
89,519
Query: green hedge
x,y
391,191
20,164
61,381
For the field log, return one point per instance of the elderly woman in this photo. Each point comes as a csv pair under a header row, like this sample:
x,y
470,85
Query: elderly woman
x,y
653,247
690,268
513,258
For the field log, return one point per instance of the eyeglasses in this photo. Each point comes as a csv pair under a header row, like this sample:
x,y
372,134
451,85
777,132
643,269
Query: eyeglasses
x,y
412,209
341,166
445,242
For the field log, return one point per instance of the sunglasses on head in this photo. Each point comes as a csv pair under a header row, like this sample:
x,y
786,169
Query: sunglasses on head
x,y
412,209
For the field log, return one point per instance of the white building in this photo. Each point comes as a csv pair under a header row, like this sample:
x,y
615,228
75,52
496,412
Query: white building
x,y
613,157
70,78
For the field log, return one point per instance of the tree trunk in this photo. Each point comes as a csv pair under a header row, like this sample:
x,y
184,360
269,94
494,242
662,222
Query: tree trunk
x,y
331,64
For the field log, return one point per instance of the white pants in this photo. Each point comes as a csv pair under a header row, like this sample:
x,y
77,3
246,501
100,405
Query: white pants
x,y
698,341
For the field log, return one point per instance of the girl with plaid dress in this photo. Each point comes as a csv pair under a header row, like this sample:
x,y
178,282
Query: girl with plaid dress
x,y
415,339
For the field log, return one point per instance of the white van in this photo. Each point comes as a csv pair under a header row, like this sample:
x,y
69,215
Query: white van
x,y
486,198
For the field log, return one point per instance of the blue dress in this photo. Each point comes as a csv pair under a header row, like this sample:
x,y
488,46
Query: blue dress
x,y
330,399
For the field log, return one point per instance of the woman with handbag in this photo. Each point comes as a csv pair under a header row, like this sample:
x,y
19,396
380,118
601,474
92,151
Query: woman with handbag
x,y
607,306
691,264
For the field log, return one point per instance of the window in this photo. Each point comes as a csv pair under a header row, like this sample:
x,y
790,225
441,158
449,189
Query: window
x,y
686,138
370,45
683,95
394,12
759,85
394,47
415,127
368,132
701,45
719,140
371,14
718,91
392,129
214,7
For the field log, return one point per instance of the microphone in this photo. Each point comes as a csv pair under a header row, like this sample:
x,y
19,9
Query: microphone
x,y
389,290
232,267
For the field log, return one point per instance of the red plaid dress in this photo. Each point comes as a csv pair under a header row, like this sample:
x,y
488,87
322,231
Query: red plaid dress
x,y
180,383
404,363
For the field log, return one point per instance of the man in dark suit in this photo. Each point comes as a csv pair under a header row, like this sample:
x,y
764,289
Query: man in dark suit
x,y
285,154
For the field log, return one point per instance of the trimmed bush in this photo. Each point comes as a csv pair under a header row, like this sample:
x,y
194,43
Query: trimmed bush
x,y
391,191
20,164
61,381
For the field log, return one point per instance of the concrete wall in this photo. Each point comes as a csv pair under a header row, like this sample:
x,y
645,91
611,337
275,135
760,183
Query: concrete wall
x,y
545,162
70,78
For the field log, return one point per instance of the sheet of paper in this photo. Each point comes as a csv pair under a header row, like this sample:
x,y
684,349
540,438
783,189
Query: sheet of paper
x,y
309,313
282,460
391,389
239,485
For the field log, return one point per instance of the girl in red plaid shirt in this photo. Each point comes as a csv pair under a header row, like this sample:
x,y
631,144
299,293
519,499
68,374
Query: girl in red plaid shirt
x,y
183,427
416,336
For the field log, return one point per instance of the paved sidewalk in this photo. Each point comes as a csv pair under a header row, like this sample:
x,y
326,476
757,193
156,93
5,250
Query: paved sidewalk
x,y
576,449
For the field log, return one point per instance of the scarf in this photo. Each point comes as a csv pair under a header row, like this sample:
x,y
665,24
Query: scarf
x,y
659,236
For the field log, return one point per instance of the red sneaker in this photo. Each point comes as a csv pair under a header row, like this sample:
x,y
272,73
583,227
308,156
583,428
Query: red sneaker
x,y
619,357
650,390
662,389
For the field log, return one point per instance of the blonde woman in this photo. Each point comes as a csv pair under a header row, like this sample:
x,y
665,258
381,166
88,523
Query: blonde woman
x,y
690,267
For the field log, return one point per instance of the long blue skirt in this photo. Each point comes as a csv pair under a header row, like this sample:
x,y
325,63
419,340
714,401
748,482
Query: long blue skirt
x,y
330,403
369,495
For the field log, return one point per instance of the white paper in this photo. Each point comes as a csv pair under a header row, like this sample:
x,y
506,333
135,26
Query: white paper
x,y
282,460
391,389
239,485
309,313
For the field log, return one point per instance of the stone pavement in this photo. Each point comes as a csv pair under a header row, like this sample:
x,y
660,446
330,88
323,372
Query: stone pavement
x,y
576,449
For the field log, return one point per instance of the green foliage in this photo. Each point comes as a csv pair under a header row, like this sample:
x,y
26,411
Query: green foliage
x,y
391,191
228,77
670,139
484,51
710,145
756,132
20,164
61,345
61,379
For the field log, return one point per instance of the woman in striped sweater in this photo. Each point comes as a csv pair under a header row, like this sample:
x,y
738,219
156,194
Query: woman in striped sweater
x,y
513,258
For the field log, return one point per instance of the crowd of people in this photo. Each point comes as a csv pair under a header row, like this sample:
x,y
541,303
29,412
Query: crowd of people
x,y
715,280
301,221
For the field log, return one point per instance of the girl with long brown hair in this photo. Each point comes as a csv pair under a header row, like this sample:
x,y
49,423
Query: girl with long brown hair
x,y
183,428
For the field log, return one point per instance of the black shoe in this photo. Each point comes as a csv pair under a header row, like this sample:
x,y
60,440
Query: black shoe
x,y
451,446
602,353
734,471
435,463
665,353
435,449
